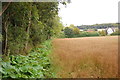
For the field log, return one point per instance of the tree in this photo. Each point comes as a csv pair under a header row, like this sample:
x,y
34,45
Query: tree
x,y
27,24
75,29
5,7
103,33
57,25
72,26
68,32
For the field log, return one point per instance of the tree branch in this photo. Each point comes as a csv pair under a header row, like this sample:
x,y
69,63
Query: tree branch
x,y
5,7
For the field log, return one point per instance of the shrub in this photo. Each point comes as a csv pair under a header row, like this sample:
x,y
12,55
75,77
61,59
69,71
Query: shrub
x,y
102,33
116,33
87,34
93,34
68,32
61,35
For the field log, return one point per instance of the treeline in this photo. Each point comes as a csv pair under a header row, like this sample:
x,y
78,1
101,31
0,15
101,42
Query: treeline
x,y
73,32
27,24
98,26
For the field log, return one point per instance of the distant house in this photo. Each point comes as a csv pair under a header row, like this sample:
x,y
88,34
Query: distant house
x,y
101,29
110,30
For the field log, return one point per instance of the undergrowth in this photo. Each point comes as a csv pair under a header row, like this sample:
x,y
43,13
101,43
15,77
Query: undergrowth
x,y
35,65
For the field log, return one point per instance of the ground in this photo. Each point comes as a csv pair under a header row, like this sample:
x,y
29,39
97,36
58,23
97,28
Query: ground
x,y
85,57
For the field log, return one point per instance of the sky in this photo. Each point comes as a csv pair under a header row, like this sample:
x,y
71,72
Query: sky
x,y
88,12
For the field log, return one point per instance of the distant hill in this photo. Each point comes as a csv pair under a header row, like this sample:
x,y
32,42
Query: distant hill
x,y
98,26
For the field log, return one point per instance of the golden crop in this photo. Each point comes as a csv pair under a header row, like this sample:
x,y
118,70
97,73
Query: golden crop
x,y
89,57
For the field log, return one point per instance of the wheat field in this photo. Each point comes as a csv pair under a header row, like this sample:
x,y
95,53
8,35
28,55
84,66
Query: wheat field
x,y
88,57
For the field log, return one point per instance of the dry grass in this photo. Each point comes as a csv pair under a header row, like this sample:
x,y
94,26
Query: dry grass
x,y
86,57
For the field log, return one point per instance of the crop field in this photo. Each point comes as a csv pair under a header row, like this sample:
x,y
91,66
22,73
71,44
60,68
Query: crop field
x,y
89,57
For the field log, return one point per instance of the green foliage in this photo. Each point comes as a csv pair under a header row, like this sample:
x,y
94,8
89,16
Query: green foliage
x,y
87,34
57,25
72,32
36,34
76,30
117,32
35,65
27,24
68,32
0,37
72,26
17,35
102,33
61,35
98,26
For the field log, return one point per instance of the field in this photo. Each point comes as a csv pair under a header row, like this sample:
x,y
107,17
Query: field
x,y
89,57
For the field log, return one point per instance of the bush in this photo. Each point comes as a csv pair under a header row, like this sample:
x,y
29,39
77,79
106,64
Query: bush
x,y
35,65
68,32
115,33
87,34
93,34
102,33
61,35
16,39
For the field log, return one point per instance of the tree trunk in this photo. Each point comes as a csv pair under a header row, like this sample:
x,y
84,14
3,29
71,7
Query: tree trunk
x,y
28,31
5,34
5,42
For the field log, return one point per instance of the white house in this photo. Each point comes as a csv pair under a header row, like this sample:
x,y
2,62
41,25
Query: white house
x,y
110,31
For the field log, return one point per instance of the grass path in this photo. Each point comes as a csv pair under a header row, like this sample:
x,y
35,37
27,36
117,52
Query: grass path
x,y
85,57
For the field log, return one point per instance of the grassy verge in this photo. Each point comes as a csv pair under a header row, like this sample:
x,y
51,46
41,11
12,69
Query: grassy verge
x,y
36,64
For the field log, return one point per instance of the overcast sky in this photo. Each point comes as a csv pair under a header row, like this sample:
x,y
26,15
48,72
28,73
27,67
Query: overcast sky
x,y
88,12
